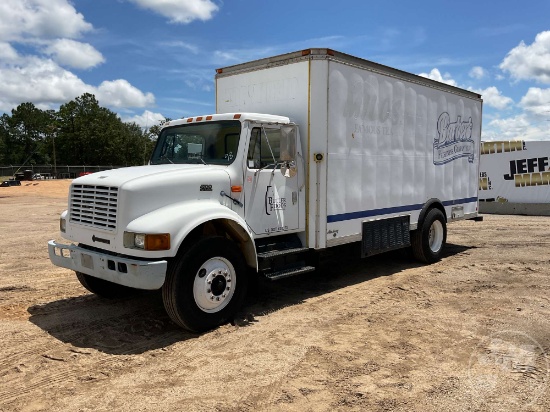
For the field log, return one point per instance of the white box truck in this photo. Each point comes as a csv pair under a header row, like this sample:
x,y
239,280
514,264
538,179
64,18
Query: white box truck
x,y
307,151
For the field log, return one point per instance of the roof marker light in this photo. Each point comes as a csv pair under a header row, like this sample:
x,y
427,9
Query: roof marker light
x,y
189,120
237,116
208,117
199,118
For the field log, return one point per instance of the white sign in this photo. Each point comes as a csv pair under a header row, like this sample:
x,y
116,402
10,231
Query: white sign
x,y
515,171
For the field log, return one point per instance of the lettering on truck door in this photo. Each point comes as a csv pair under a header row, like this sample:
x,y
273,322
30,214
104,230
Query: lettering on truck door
x,y
271,199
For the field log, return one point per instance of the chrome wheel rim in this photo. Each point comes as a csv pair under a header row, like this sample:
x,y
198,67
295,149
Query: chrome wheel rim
x,y
435,237
214,284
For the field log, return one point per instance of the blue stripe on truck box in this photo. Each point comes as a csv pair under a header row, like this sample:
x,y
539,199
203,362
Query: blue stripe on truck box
x,y
389,210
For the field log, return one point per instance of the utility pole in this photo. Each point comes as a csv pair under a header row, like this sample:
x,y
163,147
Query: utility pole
x,y
54,160
54,132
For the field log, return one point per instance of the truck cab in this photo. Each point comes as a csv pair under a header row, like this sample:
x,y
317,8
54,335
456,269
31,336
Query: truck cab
x,y
215,189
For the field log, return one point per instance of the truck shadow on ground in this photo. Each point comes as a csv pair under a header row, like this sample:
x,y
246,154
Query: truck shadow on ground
x,y
339,271
139,324
132,325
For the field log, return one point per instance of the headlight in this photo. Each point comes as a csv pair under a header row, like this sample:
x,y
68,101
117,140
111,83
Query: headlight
x,y
139,240
62,225
158,241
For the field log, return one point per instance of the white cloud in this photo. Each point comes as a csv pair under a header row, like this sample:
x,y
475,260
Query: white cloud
x,y
493,97
120,93
477,72
532,124
537,101
180,11
530,62
47,85
39,81
195,78
20,20
504,129
145,120
436,75
226,56
234,56
182,45
47,29
512,124
8,53
518,127
74,54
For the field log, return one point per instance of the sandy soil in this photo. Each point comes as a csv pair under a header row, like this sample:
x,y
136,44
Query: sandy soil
x,y
471,332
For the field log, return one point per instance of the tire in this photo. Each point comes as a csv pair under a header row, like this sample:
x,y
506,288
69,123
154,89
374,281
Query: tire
x,y
104,288
428,241
205,285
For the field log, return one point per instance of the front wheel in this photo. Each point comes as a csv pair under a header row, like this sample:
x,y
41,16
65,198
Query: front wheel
x,y
428,241
206,285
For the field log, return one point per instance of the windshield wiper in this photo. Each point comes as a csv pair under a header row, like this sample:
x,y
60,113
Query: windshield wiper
x,y
164,157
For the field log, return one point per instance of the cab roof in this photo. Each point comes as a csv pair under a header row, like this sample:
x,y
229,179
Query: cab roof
x,y
242,117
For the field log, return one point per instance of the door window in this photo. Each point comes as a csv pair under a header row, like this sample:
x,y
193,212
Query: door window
x,y
262,143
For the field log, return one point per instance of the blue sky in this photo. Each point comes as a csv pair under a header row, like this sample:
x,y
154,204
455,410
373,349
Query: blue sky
x,y
150,59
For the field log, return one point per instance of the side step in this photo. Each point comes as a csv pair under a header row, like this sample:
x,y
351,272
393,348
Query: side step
x,y
278,264
278,253
289,272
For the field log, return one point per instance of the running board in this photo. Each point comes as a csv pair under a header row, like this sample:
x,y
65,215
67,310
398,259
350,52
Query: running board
x,y
289,272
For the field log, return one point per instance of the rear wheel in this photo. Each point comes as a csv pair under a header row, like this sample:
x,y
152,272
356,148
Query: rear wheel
x,y
428,241
104,288
206,285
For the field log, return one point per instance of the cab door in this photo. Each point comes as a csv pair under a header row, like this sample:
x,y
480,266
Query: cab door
x,y
271,199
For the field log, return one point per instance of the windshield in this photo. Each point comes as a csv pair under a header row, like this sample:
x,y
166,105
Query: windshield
x,y
209,143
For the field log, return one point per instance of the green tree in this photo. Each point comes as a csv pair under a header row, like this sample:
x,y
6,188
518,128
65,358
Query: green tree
x,y
87,133
5,146
81,132
24,133
154,131
138,145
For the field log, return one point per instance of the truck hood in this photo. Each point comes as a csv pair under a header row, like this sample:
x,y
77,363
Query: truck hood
x,y
118,177
143,189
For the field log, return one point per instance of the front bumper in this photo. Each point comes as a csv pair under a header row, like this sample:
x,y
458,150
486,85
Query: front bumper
x,y
139,274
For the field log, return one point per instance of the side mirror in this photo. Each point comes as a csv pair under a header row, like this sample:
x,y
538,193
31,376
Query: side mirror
x,y
287,157
288,144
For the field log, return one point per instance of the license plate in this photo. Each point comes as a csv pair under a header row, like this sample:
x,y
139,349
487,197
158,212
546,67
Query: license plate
x,y
86,260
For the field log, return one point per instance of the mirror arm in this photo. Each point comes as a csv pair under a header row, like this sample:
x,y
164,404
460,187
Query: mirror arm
x,y
275,166
269,145
266,166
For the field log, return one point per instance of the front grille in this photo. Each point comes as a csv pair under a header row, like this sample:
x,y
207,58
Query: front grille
x,y
94,206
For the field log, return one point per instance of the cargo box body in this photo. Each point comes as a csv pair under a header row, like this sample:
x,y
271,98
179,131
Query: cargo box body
x,y
390,141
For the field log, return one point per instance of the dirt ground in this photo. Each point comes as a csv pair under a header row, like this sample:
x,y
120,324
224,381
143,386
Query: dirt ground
x,y
469,333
